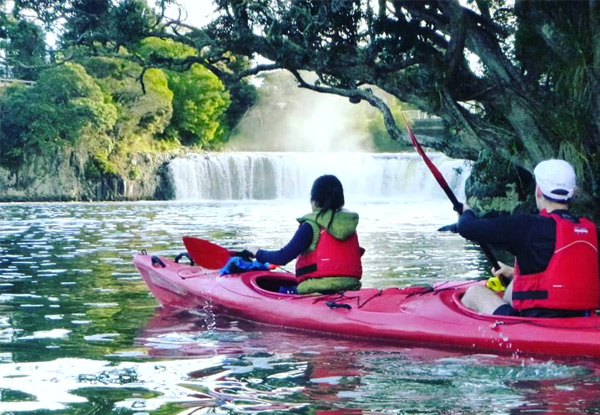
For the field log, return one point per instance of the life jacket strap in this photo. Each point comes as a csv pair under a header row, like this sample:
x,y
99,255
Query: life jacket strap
x,y
530,295
306,270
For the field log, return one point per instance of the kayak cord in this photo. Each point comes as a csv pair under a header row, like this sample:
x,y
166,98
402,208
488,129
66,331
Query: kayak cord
x,y
458,207
331,300
333,304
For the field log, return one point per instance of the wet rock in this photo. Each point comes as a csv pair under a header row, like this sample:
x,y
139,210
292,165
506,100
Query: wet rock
x,y
66,177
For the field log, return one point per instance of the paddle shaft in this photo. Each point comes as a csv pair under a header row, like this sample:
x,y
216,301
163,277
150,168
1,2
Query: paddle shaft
x,y
458,207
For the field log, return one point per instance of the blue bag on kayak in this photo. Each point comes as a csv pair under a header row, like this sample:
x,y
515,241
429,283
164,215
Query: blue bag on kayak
x,y
237,265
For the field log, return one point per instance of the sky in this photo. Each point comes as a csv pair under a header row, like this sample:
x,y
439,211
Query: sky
x,y
198,11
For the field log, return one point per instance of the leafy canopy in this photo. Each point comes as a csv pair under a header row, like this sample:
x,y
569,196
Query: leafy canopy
x,y
63,106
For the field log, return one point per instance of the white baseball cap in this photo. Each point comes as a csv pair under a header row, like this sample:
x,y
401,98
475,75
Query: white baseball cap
x,y
556,179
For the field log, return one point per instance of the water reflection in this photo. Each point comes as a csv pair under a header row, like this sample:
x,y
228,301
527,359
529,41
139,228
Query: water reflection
x,y
80,333
193,363
330,373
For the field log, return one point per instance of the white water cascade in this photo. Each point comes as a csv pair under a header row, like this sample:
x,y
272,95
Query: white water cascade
x,y
271,175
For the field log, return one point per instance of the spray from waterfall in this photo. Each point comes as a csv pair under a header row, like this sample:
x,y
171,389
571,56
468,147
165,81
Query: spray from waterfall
x,y
288,118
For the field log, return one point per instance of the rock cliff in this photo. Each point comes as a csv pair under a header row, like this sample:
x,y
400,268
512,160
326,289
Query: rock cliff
x,y
63,177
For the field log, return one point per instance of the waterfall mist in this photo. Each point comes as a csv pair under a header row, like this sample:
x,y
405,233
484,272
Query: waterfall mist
x,y
288,118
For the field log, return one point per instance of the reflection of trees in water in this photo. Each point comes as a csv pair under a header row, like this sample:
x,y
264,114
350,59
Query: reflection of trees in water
x,y
264,365
68,267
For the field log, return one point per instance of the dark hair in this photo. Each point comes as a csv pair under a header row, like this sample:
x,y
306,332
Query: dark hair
x,y
328,194
562,202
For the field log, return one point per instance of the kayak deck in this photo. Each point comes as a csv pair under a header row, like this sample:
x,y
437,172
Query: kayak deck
x,y
413,315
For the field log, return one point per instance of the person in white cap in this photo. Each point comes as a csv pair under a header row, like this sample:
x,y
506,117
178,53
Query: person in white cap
x,y
556,253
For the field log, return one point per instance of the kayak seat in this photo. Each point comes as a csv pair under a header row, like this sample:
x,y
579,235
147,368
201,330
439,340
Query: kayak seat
x,y
276,285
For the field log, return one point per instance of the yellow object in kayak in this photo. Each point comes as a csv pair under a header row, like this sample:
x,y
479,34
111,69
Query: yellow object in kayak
x,y
495,284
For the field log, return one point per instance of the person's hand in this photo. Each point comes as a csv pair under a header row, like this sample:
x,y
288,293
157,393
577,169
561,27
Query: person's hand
x,y
463,207
253,250
504,271
449,228
501,278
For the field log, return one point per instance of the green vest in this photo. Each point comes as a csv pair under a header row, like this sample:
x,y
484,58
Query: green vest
x,y
344,224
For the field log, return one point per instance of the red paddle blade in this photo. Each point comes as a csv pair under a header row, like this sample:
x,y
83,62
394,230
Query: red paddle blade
x,y
205,253
432,167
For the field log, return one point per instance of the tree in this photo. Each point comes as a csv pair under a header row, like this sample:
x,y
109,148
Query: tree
x,y
199,97
63,108
518,78
143,114
24,44
198,107
123,29
106,24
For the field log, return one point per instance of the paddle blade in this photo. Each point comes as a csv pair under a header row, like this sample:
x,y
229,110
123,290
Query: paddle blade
x,y
205,253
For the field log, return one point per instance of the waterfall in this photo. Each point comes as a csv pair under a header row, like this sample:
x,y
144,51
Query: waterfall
x,y
270,175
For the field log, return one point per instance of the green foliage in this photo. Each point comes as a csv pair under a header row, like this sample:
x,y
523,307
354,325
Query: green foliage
x,y
199,97
98,166
132,20
95,23
243,96
64,107
88,22
199,103
375,125
140,115
134,173
162,49
557,47
25,47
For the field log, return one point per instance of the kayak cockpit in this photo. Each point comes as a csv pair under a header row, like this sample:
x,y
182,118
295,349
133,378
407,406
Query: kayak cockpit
x,y
586,322
272,281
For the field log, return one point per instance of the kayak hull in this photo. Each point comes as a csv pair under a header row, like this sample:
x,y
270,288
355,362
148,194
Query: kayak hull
x,y
427,316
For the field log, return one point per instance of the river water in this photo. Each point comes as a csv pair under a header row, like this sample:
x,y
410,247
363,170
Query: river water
x,y
80,333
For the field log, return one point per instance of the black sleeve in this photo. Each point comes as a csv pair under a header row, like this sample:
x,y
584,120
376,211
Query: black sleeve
x,y
515,233
298,244
529,237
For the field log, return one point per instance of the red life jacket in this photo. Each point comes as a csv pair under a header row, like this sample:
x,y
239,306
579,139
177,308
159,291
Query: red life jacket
x,y
570,282
331,258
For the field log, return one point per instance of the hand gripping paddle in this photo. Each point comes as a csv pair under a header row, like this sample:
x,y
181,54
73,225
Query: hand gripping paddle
x,y
209,255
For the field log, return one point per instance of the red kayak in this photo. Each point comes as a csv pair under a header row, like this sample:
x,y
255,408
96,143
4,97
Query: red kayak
x,y
426,316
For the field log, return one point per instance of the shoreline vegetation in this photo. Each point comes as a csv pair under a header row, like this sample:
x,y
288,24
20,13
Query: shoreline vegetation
x,y
124,87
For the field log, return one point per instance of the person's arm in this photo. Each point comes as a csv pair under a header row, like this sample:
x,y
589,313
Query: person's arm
x,y
298,244
498,230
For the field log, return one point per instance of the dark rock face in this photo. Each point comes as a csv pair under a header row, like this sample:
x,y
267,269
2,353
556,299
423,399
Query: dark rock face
x,y
62,178
496,186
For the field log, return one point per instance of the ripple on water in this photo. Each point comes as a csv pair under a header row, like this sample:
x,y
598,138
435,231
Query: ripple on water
x,y
47,334
104,337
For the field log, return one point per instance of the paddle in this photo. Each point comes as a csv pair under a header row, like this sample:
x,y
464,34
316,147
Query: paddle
x,y
210,255
205,253
458,207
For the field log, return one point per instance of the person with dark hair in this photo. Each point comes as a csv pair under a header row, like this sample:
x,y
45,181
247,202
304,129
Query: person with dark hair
x,y
325,245
556,253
